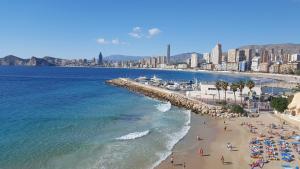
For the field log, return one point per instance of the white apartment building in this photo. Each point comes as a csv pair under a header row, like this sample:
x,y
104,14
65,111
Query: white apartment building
x,y
255,64
194,60
209,91
206,57
216,54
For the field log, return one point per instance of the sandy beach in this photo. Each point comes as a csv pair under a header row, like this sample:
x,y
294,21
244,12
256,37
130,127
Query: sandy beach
x,y
214,144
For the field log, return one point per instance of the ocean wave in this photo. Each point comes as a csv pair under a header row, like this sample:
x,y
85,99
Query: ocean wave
x,y
174,139
164,107
134,135
188,116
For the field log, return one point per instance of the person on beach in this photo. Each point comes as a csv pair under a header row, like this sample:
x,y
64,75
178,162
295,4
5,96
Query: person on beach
x,y
172,160
225,128
222,160
201,151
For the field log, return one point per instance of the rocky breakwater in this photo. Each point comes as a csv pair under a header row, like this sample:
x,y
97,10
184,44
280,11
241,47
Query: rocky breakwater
x,y
175,98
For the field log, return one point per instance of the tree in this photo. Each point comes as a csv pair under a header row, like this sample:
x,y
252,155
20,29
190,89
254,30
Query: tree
x,y
250,84
234,87
279,103
218,87
236,109
241,86
224,86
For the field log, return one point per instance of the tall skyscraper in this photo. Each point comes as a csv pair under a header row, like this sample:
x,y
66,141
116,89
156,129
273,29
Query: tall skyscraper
x,y
100,59
216,54
168,53
194,60
231,58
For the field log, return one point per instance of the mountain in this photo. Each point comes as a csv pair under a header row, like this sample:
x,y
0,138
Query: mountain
x,y
182,58
122,58
287,47
12,60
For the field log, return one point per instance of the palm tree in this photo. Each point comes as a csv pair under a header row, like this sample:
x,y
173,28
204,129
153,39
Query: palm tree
x,y
218,87
234,87
241,86
224,86
250,84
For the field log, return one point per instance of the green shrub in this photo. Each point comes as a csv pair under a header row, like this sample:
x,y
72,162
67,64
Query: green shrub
x,y
236,109
279,103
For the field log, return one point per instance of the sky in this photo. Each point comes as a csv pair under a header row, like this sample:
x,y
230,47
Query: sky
x,y
83,28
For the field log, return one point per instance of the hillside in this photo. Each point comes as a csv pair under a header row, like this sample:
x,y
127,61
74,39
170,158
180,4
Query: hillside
x,y
288,47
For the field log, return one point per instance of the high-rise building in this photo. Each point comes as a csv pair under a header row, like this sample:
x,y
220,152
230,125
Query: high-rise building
x,y
248,54
168,53
240,56
194,60
206,57
231,58
216,54
100,59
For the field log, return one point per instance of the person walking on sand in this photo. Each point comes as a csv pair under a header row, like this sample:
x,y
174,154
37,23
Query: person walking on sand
x,y
222,160
172,160
225,128
198,138
200,151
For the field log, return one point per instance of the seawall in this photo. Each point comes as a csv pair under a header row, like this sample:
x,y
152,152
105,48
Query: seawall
x,y
174,98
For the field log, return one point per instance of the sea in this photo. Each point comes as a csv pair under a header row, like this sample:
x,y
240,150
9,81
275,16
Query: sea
x,y
68,118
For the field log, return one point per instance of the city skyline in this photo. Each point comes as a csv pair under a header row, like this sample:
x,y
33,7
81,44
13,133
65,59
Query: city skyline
x,y
54,28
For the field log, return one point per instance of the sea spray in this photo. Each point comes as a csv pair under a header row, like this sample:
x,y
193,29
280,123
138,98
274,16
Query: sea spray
x,y
164,106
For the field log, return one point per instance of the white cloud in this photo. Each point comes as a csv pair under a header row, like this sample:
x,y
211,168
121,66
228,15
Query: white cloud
x,y
102,41
115,41
136,32
153,32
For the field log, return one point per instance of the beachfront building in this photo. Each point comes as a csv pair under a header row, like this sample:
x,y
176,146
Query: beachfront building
x,y
168,53
206,57
216,54
231,56
295,58
242,66
182,66
255,64
209,91
194,60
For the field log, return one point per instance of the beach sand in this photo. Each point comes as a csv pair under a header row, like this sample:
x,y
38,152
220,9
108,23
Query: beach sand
x,y
215,141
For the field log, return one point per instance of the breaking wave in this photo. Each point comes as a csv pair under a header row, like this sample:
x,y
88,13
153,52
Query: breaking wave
x,y
164,107
133,135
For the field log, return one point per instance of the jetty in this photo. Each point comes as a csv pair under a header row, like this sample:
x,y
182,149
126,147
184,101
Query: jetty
x,y
175,98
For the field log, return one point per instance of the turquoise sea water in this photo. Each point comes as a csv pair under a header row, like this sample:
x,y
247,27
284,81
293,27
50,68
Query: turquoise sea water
x,y
63,118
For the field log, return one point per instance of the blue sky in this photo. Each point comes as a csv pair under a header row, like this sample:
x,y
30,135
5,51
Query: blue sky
x,y
78,28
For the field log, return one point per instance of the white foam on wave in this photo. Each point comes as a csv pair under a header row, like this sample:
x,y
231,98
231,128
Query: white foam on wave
x,y
164,107
133,135
174,139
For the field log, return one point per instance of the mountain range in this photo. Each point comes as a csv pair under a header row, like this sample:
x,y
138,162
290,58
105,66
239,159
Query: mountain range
x,y
287,47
